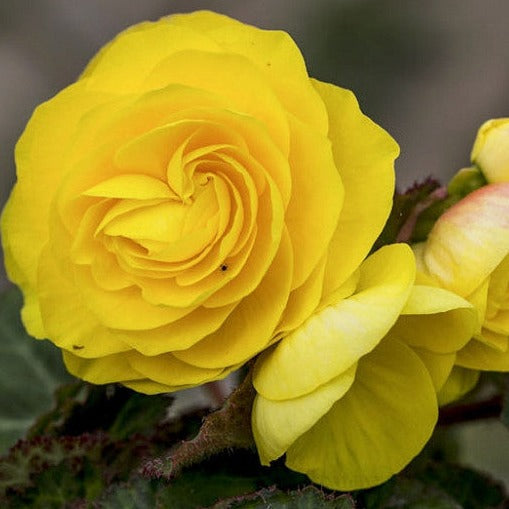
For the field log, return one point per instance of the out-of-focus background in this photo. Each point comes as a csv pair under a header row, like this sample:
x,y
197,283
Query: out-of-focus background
x,y
429,72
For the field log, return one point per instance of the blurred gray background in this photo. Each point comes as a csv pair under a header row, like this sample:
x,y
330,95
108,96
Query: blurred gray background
x,y
429,71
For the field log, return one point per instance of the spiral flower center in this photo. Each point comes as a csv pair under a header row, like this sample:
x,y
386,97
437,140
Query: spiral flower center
x,y
176,213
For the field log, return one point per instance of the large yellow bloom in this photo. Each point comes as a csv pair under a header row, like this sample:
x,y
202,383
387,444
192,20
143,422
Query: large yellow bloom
x,y
467,252
351,395
188,200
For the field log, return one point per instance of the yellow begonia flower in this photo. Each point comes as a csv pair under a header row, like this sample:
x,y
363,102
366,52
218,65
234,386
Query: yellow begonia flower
x,y
491,150
350,396
189,200
467,252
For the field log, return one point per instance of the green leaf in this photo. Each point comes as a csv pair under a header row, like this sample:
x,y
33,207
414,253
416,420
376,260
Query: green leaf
x,y
194,488
28,472
66,399
140,414
136,494
30,370
62,484
436,486
227,478
216,491
410,494
202,488
81,407
471,489
466,181
188,492
307,498
99,461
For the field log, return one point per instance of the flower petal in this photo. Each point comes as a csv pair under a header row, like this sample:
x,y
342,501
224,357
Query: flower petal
x,y
436,319
103,370
147,386
135,186
317,197
251,325
275,54
277,424
334,339
213,73
364,153
303,301
478,355
122,65
381,423
166,369
460,381
493,339
439,366
180,334
66,317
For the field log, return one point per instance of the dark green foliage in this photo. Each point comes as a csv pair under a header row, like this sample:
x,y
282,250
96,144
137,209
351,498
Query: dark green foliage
x,y
307,498
30,371
408,494
235,481
140,414
50,472
436,486
81,407
472,490
124,429
138,493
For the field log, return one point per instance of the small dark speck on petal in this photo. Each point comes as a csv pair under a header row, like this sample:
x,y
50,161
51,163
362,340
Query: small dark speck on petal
x,y
77,347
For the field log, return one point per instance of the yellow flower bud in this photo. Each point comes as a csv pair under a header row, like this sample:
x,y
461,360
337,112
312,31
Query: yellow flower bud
x,y
491,150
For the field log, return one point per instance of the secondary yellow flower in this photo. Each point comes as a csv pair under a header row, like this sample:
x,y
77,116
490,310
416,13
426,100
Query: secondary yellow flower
x,y
350,396
467,252
491,150
188,200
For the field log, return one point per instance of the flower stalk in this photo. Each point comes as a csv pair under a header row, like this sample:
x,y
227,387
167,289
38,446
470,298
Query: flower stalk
x,y
223,430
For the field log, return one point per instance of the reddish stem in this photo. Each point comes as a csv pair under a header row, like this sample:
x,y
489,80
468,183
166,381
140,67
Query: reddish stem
x,y
454,414
405,232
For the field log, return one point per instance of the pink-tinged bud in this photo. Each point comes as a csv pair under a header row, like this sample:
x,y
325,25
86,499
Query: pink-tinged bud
x,y
467,252
470,239
491,150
